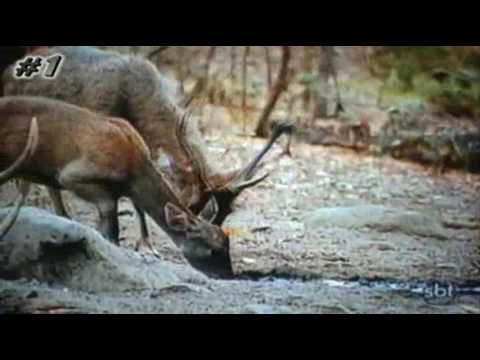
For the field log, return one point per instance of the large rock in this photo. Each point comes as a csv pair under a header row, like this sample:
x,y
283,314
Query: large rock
x,y
62,252
378,218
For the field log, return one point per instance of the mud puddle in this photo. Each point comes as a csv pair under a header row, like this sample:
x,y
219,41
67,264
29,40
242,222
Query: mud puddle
x,y
432,291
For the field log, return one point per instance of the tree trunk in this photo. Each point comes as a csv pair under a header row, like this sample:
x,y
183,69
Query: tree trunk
x,y
268,63
233,63
280,85
244,84
320,109
182,74
246,52
307,69
210,55
329,52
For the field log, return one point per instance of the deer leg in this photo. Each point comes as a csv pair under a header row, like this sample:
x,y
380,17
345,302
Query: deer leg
x,y
145,238
108,224
58,205
107,206
84,179
287,150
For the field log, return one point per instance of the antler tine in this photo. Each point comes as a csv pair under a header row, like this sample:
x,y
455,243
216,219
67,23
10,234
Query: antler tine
x,y
244,178
30,147
195,158
13,215
238,186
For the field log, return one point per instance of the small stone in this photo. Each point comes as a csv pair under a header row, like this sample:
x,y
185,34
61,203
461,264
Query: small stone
x,y
259,309
32,295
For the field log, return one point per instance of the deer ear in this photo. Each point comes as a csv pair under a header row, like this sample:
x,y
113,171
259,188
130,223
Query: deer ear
x,y
210,211
176,218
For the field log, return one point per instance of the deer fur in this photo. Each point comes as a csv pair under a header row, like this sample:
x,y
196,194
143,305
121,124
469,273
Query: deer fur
x,y
131,87
100,159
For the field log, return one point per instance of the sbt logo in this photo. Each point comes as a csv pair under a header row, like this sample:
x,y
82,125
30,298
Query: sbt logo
x,y
441,294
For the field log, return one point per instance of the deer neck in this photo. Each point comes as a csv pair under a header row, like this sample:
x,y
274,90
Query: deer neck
x,y
159,124
151,192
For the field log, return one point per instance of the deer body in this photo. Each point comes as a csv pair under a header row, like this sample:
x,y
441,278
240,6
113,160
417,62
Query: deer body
x,y
131,88
100,160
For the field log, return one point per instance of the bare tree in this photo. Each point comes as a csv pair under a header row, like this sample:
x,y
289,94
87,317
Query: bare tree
x,y
246,52
307,69
180,67
202,82
329,53
320,108
280,86
325,70
233,62
208,62
268,63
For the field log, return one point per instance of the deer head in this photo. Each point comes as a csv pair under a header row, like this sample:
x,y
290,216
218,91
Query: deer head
x,y
228,187
196,236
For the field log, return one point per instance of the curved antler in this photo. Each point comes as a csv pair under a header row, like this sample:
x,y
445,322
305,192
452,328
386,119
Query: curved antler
x,y
29,149
13,215
5,175
195,157
244,179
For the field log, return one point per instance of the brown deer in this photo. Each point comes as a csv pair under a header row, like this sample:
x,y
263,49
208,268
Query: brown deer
x,y
100,160
131,88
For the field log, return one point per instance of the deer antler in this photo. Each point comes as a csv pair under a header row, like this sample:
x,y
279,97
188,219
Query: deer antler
x,y
30,147
192,154
13,215
244,179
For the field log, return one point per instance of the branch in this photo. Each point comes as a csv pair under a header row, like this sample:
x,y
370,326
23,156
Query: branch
x,y
156,52
280,86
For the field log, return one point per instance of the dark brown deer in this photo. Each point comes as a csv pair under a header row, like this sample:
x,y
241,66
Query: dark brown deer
x,y
100,159
131,87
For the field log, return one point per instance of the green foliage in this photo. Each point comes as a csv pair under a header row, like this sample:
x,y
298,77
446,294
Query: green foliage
x,y
408,69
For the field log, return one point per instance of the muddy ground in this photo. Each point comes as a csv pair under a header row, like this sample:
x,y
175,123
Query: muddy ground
x,y
297,248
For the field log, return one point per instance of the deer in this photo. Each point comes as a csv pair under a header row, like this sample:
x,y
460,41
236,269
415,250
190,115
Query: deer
x,y
99,160
131,87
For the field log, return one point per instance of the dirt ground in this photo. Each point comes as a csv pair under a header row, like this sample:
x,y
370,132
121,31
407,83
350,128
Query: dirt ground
x,y
279,267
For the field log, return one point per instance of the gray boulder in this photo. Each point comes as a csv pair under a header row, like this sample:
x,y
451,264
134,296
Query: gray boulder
x,y
62,252
378,218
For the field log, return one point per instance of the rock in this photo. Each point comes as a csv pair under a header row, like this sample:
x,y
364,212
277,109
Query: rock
x,y
378,218
68,254
259,309
415,106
